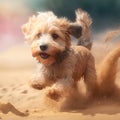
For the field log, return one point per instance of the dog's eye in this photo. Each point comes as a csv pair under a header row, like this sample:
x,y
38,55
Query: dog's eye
x,y
38,35
55,36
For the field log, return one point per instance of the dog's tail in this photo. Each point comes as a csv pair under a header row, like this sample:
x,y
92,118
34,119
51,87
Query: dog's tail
x,y
83,16
107,72
84,20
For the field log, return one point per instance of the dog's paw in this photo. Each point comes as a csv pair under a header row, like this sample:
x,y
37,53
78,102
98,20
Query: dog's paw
x,y
54,94
38,86
35,84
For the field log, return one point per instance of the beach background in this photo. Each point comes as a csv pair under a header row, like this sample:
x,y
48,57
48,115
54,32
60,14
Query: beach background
x,y
17,99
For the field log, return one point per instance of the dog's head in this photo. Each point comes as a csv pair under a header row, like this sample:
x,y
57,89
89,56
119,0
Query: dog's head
x,y
49,36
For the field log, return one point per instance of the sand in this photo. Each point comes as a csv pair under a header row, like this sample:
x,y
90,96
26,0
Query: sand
x,y
19,101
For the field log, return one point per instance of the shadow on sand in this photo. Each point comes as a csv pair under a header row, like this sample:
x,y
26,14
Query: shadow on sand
x,y
8,107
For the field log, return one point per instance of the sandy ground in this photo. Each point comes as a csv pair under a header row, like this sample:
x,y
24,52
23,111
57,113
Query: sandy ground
x,y
19,101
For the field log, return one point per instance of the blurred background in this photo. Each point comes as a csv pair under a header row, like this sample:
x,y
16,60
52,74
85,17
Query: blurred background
x,y
14,13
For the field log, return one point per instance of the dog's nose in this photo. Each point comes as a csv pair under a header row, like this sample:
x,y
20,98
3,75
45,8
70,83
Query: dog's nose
x,y
43,47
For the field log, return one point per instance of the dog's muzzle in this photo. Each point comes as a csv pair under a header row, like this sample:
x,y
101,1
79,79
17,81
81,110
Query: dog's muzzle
x,y
43,54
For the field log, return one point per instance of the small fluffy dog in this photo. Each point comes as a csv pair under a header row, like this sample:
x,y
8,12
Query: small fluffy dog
x,y
60,65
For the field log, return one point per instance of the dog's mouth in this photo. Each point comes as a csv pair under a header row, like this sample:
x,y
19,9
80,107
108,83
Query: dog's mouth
x,y
44,55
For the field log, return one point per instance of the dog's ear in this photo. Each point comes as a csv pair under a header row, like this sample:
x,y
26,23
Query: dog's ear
x,y
75,30
27,28
24,29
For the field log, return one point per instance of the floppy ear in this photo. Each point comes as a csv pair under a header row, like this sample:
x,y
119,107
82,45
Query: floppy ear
x,y
24,29
27,28
75,30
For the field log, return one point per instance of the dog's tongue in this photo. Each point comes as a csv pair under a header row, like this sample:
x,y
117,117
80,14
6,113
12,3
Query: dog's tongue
x,y
44,55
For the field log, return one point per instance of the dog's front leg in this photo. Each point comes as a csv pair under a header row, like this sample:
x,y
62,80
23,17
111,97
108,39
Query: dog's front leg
x,y
60,88
38,81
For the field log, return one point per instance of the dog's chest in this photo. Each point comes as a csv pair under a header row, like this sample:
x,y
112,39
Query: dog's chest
x,y
56,72
59,71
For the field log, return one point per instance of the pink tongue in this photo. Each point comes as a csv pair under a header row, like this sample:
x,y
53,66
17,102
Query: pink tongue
x,y
44,55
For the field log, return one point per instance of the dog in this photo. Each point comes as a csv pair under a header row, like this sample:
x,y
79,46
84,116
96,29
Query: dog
x,y
84,20
60,64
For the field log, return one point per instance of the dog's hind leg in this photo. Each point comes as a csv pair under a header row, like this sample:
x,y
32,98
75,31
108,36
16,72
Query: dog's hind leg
x,y
90,77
